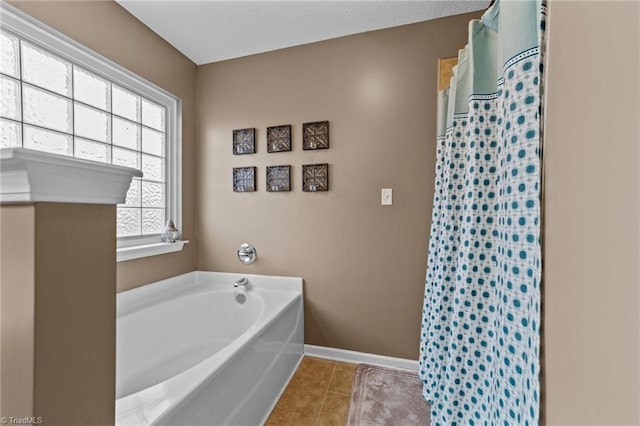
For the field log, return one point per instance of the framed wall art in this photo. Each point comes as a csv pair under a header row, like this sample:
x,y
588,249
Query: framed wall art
x,y
244,141
315,135
279,138
244,179
278,178
315,177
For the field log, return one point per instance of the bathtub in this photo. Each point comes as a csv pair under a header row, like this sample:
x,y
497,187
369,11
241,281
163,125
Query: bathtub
x,y
187,353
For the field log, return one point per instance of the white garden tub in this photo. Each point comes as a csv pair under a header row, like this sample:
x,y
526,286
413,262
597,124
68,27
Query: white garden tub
x,y
188,353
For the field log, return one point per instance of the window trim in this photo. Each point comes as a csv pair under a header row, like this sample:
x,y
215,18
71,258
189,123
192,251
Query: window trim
x,y
24,26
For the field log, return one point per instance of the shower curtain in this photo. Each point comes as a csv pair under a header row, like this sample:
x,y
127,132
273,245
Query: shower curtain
x,y
479,352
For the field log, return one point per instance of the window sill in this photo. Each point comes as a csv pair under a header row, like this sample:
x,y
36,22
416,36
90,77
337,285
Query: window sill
x,y
146,250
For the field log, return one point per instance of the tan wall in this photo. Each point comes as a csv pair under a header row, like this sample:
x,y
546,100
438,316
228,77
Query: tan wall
x,y
58,286
591,315
110,30
363,263
17,313
75,304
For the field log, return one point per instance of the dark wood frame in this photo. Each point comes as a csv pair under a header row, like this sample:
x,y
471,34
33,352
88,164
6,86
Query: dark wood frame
x,y
313,184
314,140
238,141
286,140
286,186
235,180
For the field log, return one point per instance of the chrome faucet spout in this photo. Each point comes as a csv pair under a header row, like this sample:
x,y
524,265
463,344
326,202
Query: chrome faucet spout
x,y
241,282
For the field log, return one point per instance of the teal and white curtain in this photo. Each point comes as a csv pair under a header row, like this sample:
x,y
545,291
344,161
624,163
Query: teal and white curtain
x,y
480,339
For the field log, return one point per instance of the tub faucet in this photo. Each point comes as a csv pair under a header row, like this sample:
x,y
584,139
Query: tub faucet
x,y
241,282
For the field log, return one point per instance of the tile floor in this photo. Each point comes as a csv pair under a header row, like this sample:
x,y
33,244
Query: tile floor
x,y
317,395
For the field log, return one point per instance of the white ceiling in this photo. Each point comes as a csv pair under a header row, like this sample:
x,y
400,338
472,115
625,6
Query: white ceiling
x,y
210,31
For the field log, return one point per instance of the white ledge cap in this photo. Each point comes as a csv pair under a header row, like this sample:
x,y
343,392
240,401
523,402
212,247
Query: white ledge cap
x,y
28,176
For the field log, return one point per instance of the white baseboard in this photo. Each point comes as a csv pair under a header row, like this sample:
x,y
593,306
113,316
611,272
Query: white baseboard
x,y
360,357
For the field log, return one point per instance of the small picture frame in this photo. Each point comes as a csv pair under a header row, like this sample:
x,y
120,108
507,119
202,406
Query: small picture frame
x,y
278,178
244,141
279,138
315,135
244,179
315,177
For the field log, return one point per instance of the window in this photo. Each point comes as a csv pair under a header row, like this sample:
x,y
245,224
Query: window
x,y
53,105
58,96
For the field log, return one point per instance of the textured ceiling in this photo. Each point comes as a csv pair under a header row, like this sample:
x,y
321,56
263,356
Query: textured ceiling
x,y
210,31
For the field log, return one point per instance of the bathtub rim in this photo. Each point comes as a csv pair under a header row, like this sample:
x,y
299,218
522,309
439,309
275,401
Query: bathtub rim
x,y
128,301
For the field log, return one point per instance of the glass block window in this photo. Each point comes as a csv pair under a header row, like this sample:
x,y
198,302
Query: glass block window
x,y
51,103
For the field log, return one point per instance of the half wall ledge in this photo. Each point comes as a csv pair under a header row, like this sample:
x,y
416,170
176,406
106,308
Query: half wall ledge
x,y
28,176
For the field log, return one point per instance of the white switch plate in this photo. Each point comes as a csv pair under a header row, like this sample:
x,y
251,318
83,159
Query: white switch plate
x,y
386,196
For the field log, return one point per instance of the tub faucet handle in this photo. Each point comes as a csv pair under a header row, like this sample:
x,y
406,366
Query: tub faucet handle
x,y
241,282
247,253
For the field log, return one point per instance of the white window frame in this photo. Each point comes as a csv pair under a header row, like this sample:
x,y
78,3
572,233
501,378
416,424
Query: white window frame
x,y
38,33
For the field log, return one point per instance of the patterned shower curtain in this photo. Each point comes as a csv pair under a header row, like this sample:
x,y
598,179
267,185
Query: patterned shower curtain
x,y
479,354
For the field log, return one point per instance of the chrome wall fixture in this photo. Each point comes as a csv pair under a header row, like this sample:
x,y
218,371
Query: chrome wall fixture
x,y
247,253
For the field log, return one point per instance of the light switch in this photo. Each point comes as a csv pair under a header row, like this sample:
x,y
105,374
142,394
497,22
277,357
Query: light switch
x,y
387,196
